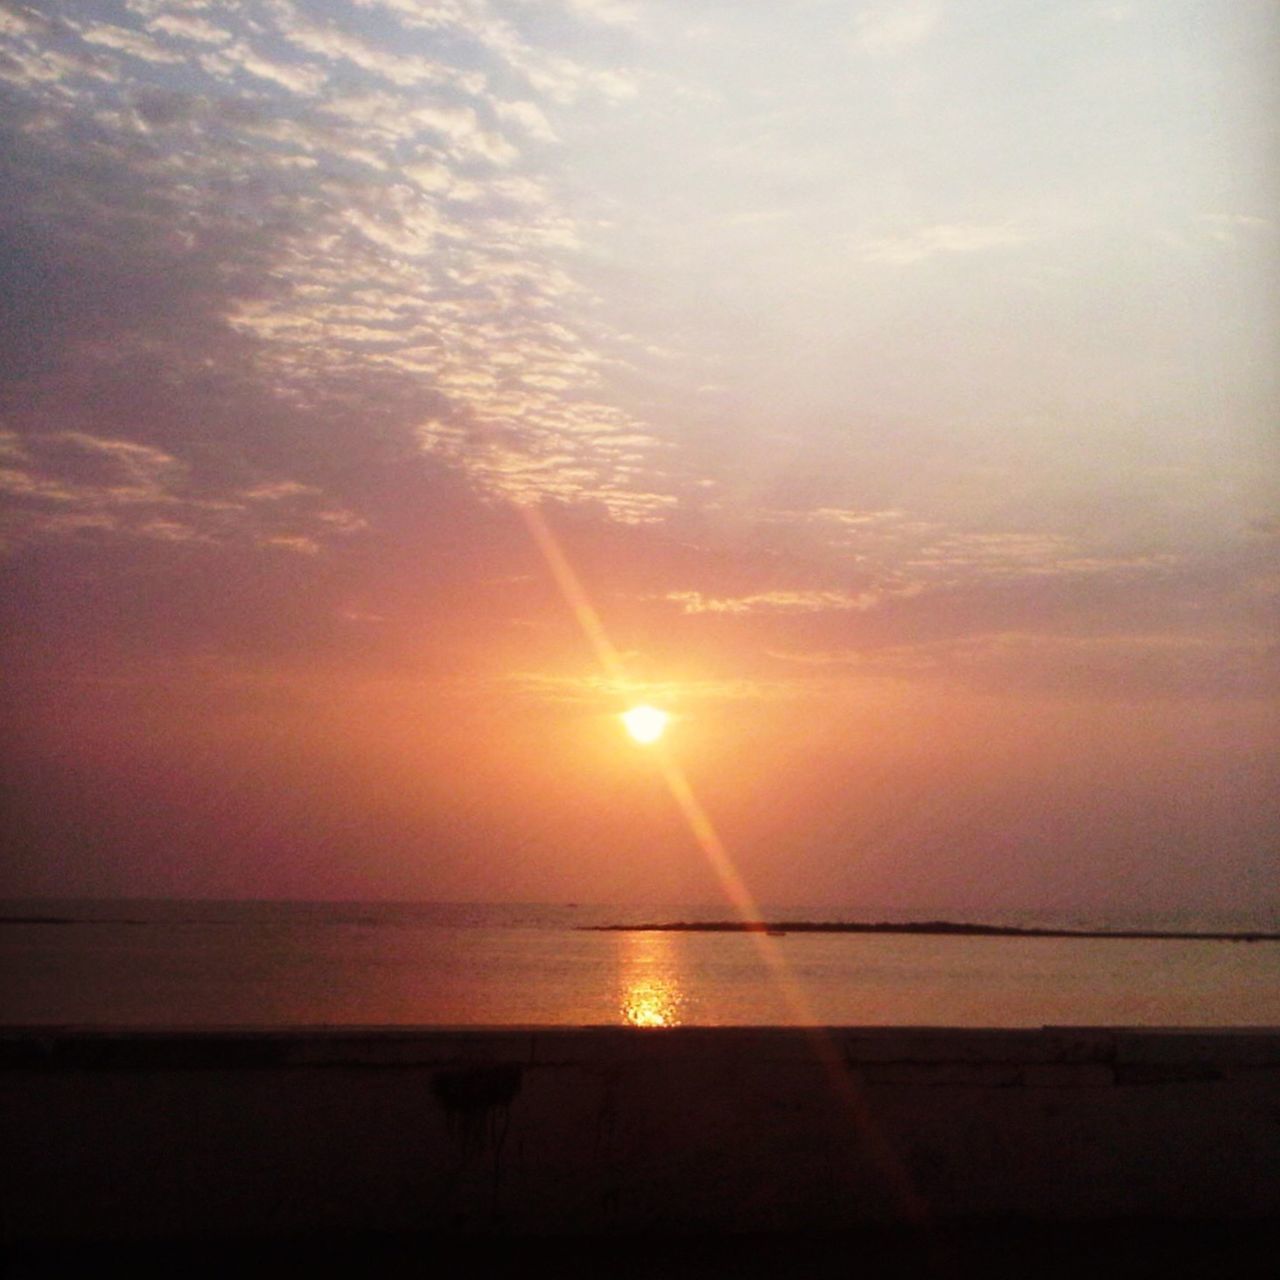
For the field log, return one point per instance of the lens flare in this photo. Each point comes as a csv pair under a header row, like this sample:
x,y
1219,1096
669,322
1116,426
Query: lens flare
x,y
643,1008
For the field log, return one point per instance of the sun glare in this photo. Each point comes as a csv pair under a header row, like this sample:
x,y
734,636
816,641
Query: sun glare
x,y
645,724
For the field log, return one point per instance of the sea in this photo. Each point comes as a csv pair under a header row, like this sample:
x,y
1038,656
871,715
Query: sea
x,y
205,964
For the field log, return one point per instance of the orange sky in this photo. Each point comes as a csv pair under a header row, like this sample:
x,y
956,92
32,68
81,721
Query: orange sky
x,y
896,383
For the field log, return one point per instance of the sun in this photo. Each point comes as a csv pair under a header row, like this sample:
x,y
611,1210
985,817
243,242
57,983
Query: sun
x,y
645,724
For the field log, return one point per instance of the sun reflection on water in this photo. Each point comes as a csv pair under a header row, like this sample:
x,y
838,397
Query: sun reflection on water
x,y
650,991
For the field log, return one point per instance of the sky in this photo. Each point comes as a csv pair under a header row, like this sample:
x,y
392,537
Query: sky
x,y
394,391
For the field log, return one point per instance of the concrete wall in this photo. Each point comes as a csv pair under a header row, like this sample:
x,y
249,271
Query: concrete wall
x,y
156,1135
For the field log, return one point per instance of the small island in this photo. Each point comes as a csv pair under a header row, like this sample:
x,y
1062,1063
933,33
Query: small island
x,y
941,928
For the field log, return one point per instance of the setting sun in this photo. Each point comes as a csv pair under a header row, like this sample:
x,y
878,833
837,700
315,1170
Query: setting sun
x,y
645,724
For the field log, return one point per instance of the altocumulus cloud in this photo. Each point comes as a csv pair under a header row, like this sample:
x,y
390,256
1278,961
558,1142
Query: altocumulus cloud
x,y
262,239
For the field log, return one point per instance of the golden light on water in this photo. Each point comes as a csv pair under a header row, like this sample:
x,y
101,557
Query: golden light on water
x,y
650,1005
645,724
650,994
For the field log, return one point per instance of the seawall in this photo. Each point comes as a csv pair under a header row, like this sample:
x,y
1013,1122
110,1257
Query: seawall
x,y
240,1134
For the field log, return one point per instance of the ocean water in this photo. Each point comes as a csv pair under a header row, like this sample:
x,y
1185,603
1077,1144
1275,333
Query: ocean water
x,y
205,964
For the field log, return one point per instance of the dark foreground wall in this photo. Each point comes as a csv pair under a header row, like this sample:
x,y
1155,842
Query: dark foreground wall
x,y
190,1134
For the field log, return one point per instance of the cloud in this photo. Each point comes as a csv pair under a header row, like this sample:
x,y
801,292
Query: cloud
x,y
529,117
550,74
1229,227
1115,666
624,13
297,77
932,556
21,21
73,484
188,26
891,29
609,694
947,238
122,40
278,490
777,601
297,543
509,462
966,556
337,44
463,133
384,249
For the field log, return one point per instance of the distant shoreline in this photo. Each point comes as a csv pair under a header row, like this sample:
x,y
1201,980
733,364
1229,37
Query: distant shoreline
x,y
937,928
927,928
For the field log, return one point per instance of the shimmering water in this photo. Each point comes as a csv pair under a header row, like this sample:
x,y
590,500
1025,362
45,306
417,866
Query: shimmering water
x,y
274,964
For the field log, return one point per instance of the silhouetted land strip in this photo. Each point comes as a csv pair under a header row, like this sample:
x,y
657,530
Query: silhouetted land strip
x,y
935,928
943,928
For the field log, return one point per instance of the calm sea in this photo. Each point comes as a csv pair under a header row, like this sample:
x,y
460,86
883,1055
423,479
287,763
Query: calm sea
x,y
132,963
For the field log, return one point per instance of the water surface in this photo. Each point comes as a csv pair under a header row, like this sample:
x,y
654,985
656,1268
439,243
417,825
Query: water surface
x,y
275,964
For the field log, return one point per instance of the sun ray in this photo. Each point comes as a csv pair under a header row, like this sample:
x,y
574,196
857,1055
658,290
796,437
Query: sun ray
x,y
572,589
826,1052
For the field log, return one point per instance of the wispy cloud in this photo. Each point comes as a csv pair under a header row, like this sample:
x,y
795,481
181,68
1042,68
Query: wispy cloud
x,y
606,694
891,29
1227,227
1116,666
777,601
977,556
946,238
623,13
188,26
76,484
123,40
